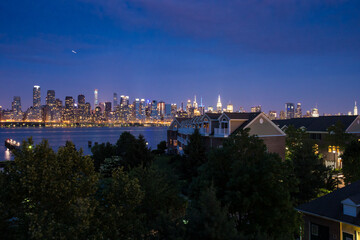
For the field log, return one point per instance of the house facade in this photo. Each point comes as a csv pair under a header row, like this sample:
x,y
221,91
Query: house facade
x,y
317,128
334,216
215,127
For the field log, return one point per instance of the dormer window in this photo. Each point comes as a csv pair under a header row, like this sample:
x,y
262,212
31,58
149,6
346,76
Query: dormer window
x,y
351,206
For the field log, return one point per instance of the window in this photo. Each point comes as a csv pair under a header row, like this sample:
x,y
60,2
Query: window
x,y
314,230
347,236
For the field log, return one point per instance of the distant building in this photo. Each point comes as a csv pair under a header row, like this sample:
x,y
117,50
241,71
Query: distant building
x,y
36,97
195,104
289,110
50,99
16,105
81,99
230,108
154,110
161,108
315,112
168,110
115,101
272,115
355,109
219,105
173,109
298,112
96,99
256,109
282,115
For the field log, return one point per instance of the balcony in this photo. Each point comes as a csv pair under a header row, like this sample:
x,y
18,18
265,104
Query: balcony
x,y
204,131
187,131
221,132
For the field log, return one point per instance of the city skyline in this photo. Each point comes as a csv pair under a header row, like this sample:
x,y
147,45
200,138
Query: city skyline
x,y
235,106
250,53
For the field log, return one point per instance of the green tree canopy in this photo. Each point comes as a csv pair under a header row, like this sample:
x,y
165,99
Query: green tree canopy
x,y
351,162
49,194
207,220
255,185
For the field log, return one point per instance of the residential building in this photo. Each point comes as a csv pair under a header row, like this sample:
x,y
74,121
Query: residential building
x,y
317,128
216,127
333,216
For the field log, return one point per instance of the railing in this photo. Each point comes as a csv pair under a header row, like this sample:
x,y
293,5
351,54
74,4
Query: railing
x,y
221,132
186,130
204,131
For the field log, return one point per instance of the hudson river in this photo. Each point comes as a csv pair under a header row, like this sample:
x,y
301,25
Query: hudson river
x,y
79,136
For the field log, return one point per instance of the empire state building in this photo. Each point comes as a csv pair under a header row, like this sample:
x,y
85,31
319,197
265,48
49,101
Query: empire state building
x,y
219,105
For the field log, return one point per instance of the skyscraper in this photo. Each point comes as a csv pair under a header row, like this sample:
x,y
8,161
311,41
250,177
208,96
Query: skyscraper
x,y
219,105
96,99
298,113
230,108
115,101
154,111
81,100
256,108
195,104
161,108
355,109
16,105
289,110
69,103
36,97
50,98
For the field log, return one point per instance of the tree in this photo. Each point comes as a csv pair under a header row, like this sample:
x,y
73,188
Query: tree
x,y
133,151
337,136
50,195
311,174
194,157
161,148
207,220
101,152
117,216
255,185
162,207
351,162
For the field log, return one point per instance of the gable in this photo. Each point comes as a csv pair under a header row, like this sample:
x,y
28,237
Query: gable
x,y
262,126
354,127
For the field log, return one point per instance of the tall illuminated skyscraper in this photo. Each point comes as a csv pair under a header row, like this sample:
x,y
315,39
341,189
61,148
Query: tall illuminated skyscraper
x,y
230,108
96,100
50,98
195,104
298,113
36,97
219,105
16,105
355,109
115,101
81,99
289,110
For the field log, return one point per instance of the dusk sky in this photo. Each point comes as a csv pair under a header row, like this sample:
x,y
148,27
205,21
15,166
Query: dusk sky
x,y
252,52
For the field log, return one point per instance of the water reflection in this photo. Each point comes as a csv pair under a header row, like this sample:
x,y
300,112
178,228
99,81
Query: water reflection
x,y
7,155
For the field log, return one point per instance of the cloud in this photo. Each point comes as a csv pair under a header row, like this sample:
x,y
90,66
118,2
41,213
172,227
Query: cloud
x,y
264,25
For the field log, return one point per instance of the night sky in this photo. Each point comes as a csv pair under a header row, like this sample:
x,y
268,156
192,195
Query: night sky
x,y
252,52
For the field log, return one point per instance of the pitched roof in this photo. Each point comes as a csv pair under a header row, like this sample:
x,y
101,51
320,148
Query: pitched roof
x,y
245,115
213,116
330,205
316,124
181,119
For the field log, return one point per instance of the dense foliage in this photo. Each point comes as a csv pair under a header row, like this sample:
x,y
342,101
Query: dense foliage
x,y
351,162
128,191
